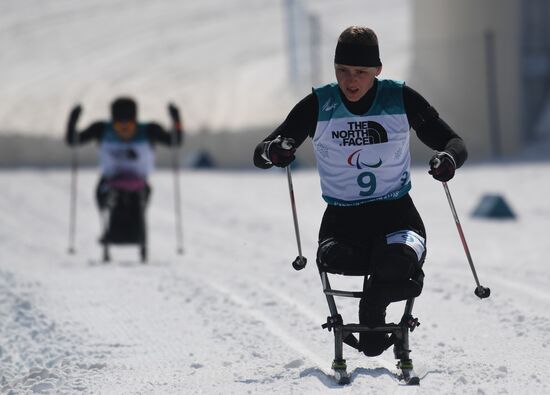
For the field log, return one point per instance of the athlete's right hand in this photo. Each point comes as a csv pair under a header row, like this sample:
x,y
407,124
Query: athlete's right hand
x,y
75,114
280,151
70,137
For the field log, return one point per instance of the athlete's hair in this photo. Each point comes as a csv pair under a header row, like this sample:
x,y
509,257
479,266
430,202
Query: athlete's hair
x,y
358,35
358,46
124,108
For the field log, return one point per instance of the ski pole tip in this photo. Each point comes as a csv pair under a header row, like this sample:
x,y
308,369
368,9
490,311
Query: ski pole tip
x,y
299,263
482,292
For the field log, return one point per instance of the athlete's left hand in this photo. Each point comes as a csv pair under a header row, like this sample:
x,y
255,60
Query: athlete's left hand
x,y
174,113
442,166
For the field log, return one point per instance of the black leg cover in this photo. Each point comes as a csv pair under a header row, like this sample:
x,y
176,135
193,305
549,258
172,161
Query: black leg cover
x,y
373,343
335,256
397,275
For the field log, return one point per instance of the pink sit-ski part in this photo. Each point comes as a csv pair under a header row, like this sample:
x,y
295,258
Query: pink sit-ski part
x,y
127,184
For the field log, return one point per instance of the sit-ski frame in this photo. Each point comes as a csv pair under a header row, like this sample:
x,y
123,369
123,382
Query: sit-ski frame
x,y
399,332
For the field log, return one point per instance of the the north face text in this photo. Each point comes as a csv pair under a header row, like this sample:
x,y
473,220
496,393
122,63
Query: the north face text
x,y
361,133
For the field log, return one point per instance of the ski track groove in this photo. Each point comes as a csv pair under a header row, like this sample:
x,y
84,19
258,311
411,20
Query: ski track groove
x,y
272,326
314,318
255,312
508,351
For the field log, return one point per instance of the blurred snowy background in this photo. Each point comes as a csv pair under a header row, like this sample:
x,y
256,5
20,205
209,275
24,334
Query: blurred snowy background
x,y
224,62
237,67
224,317
227,64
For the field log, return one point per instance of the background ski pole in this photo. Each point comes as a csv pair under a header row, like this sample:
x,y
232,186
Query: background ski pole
x,y
300,261
177,200
174,113
72,212
480,291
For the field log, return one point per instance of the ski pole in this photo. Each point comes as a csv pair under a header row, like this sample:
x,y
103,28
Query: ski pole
x,y
72,213
300,261
177,194
480,291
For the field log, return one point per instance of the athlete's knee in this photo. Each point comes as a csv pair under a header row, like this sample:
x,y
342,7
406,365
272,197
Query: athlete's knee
x,y
332,252
399,255
398,268
335,256
394,262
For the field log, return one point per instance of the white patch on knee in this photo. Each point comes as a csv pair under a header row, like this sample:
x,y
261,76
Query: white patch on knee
x,y
410,238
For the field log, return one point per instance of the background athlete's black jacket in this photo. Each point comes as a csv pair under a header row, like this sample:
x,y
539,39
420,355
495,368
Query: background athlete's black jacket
x,y
155,133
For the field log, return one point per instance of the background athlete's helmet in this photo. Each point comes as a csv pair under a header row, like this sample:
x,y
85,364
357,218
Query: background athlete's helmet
x,y
124,109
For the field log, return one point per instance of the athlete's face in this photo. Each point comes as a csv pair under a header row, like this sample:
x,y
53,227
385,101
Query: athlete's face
x,y
355,81
125,129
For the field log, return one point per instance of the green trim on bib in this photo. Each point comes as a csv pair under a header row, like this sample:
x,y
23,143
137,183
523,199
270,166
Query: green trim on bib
x,y
111,135
385,102
390,196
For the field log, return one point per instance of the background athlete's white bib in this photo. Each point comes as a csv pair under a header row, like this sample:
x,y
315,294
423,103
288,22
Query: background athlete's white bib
x,y
134,156
117,158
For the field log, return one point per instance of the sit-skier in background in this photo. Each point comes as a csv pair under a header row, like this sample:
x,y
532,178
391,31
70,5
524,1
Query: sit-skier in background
x,y
360,130
126,159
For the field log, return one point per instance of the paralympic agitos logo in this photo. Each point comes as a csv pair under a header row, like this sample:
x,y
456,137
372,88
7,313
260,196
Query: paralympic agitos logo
x,y
355,160
361,133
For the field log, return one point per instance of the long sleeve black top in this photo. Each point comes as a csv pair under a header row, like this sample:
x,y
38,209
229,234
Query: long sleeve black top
x,y
155,133
301,122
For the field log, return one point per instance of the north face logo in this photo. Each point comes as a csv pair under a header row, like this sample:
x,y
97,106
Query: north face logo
x,y
361,133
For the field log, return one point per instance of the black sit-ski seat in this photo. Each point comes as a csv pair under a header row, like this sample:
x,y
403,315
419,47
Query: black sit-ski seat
x,y
123,219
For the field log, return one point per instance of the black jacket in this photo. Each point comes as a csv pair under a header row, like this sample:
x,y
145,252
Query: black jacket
x,y
424,119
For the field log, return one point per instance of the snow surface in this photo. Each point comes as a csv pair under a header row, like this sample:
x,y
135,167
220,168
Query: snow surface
x,y
223,61
231,316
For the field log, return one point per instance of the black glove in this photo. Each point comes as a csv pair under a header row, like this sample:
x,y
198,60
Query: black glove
x,y
75,114
442,166
174,113
71,125
280,151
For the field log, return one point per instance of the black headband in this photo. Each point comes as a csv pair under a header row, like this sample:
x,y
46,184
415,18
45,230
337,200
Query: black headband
x,y
357,55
